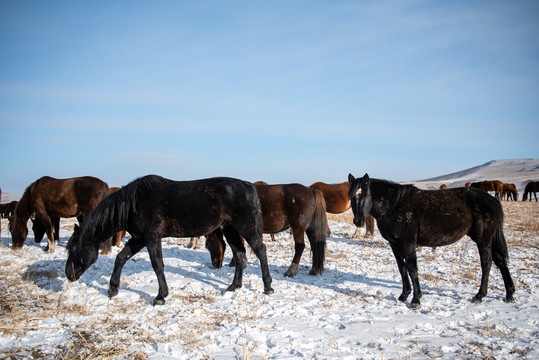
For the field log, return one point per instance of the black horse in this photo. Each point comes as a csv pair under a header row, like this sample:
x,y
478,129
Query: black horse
x,y
153,207
408,217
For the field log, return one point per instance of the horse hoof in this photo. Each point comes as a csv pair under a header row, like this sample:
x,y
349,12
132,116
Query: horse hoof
x,y
158,302
113,293
476,300
415,306
232,287
269,291
509,299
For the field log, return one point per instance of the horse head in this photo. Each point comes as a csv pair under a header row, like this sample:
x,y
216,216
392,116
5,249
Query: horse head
x,y
81,255
360,198
216,246
18,230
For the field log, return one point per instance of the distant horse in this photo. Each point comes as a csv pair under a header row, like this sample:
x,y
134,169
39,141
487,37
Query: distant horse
x,y
531,187
408,217
7,210
337,202
509,192
49,198
152,207
492,185
443,187
120,234
293,206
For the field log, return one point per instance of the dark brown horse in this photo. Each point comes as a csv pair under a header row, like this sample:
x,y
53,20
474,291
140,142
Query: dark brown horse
x,y
152,207
509,192
531,187
337,202
293,206
49,198
408,217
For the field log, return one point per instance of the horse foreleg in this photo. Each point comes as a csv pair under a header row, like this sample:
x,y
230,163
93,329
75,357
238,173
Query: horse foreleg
x,y
238,250
299,246
486,262
156,256
133,246
406,287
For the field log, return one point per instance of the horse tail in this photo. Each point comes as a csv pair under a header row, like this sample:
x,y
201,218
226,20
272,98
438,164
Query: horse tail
x,y
317,233
499,244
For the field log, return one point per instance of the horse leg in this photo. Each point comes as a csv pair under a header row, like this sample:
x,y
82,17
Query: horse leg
x,y
406,287
299,246
486,262
133,246
259,248
369,226
501,262
156,256
410,257
234,240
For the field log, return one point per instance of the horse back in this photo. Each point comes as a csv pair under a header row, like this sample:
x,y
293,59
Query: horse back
x,y
445,216
197,207
335,195
69,197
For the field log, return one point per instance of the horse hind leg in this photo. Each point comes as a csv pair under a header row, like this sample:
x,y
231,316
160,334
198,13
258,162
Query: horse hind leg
x,y
299,246
500,257
486,263
238,250
254,239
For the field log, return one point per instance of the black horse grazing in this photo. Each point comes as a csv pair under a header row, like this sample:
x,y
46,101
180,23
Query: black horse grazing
x,y
153,207
408,217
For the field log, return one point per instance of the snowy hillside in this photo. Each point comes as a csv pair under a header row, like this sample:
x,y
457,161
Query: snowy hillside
x,y
517,171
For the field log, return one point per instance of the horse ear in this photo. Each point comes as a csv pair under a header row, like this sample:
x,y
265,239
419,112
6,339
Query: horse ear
x,y
351,179
366,178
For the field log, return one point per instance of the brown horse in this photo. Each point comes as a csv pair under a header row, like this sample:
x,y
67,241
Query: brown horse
x,y
293,206
531,187
443,187
509,192
492,185
337,202
49,197
117,241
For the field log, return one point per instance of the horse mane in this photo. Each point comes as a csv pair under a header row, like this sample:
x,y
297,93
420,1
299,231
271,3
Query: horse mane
x,y
397,192
24,201
111,214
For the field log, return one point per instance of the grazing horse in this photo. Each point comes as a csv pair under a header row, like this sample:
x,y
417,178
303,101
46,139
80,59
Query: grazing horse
x,y
293,206
337,202
53,198
153,207
443,187
408,217
531,187
509,192
492,185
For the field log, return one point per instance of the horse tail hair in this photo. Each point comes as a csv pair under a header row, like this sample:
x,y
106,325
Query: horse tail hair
x,y
317,233
499,244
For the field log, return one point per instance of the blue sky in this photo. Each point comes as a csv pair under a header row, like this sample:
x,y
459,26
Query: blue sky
x,y
281,91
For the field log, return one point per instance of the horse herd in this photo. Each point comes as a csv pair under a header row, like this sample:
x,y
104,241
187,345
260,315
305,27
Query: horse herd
x,y
505,191
152,207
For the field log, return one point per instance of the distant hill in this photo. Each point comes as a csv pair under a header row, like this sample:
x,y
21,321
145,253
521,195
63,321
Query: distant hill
x,y
517,171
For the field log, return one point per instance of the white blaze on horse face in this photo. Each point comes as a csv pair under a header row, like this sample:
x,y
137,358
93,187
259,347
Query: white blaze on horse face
x,y
358,192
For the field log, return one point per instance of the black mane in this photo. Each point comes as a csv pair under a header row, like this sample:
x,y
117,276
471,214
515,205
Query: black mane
x,y
112,213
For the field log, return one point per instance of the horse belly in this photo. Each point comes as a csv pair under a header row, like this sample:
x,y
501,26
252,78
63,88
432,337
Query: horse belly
x,y
445,231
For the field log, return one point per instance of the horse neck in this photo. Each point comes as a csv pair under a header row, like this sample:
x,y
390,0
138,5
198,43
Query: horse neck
x,y
23,210
386,197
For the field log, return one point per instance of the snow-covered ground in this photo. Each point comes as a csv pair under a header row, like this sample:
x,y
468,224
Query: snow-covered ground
x,y
350,312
